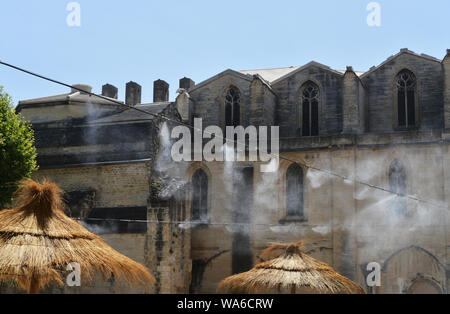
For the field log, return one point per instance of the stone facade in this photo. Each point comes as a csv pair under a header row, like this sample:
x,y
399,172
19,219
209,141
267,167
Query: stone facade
x,y
105,156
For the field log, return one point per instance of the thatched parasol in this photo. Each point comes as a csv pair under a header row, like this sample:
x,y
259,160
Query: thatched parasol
x,y
291,272
38,241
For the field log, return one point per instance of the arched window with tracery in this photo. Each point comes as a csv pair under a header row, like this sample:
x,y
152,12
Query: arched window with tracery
x,y
406,99
397,184
232,107
294,191
199,206
309,98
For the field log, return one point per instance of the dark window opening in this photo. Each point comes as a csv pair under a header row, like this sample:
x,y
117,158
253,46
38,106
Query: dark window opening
x,y
294,191
228,114
242,250
199,195
310,109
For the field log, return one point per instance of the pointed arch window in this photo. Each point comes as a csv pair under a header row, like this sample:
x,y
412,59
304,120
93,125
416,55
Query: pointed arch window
x,y
294,191
309,97
232,107
406,99
397,184
199,206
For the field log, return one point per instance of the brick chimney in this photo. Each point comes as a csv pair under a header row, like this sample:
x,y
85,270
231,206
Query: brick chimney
x,y
133,93
160,91
186,83
110,91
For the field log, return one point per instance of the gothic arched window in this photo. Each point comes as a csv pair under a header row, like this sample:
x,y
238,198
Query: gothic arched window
x,y
309,98
199,206
406,98
294,191
397,184
232,107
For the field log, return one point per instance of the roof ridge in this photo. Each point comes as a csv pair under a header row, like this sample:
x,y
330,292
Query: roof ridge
x,y
288,67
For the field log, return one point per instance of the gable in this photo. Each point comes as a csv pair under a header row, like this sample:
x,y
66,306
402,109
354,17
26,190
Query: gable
x,y
307,66
404,54
221,75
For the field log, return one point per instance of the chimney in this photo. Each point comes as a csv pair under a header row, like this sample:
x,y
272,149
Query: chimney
x,y
160,91
110,91
83,87
133,93
186,83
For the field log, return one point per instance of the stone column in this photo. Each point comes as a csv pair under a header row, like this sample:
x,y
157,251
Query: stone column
x,y
446,68
353,103
168,246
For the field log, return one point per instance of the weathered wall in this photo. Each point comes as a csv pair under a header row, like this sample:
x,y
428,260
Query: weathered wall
x,y
347,224
120,185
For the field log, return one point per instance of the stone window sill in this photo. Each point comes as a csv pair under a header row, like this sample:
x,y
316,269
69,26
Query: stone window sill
x,y
292,219
200,224
404,128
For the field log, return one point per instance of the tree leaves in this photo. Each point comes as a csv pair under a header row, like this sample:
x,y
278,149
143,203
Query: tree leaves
x,y
17,151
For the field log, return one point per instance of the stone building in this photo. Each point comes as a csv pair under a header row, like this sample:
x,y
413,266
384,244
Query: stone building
x,y
363,177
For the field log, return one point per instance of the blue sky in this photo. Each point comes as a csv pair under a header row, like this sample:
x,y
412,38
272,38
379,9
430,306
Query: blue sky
x,y
119,41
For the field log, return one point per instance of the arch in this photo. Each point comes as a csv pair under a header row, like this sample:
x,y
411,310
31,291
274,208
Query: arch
x,y
412,247
309,100
407,269
294,191
424,286
397,184
199,202
406,99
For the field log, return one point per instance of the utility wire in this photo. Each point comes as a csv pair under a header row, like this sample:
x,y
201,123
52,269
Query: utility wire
x,y
157,115
194,223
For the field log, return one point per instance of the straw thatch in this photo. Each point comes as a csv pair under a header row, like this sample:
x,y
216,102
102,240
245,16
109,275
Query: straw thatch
x,y
38,241
291,272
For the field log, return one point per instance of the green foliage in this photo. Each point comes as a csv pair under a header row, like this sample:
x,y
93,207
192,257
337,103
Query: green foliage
x,y
155,189
17,151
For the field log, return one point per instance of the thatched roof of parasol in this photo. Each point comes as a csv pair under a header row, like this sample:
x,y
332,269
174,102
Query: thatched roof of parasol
x,y
38,241
291,272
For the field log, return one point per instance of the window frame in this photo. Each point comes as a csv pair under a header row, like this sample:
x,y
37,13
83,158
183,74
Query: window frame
x,y
300,101
395,91
233,107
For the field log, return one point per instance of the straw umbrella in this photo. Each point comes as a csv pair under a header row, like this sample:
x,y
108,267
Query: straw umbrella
x,y
291,272
38,241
